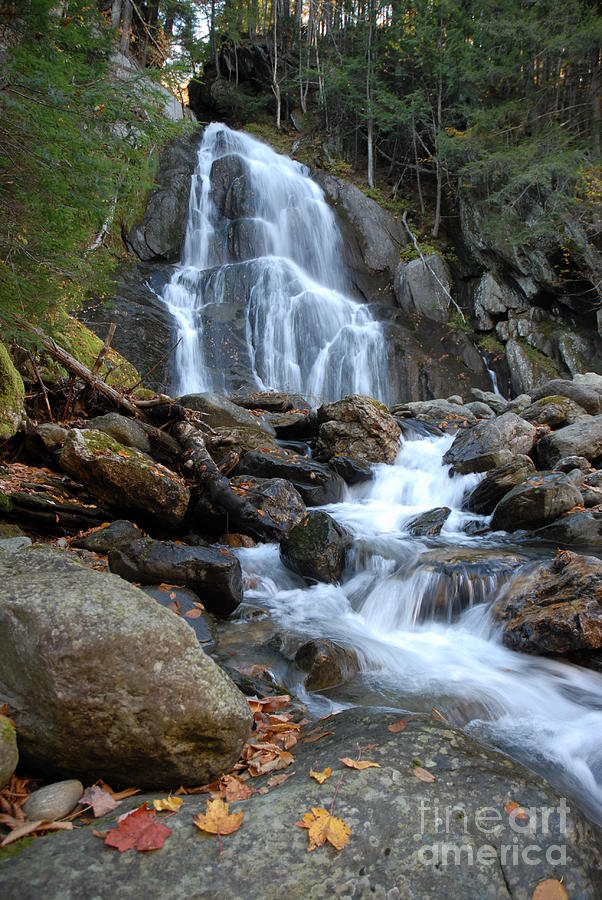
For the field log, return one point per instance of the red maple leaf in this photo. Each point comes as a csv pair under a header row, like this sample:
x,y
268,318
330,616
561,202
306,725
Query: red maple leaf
x,y
139,831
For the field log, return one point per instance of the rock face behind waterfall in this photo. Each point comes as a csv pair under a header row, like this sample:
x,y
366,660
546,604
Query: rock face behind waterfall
x,y
104,682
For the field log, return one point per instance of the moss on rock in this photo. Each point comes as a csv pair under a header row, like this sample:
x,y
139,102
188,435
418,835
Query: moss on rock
x,y
12,396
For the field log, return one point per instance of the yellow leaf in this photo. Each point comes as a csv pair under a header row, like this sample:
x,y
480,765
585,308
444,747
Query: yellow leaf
x,y
359,763
217,820
169,804
324,827
321,776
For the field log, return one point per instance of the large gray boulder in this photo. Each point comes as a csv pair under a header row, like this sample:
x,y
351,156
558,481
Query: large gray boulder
x,y
358,428
535,502
160,234
490,444
124,477
581,529
316,482
104,683
554,607
423,288
398,846
581,393
125,431
555,411
213,573
218,412
582,438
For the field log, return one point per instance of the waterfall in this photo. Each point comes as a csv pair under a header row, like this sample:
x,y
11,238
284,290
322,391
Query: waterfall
x,y
261,295
416,610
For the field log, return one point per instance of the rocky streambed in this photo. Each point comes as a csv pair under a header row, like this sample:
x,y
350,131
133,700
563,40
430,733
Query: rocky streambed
x,y
438,561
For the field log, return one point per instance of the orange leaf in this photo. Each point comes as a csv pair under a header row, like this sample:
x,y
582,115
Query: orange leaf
x,y
515,811
234,788
550,889
323,827
316,737
397,726
139,831
423,774
217,820
193,614
359,764
321,776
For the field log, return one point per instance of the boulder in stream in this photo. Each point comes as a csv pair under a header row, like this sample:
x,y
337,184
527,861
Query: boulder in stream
x,y
488,492
327,664
358,428
315,548
317,483
582,528
428,524
124,477
397,846
490,444
583,438
538,500
554,607
102,682
213,573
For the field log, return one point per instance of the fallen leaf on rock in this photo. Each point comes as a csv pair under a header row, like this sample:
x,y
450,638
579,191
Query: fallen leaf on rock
x,y
423,774
119,795
217,820
269,704
397,726
316,737
35,828
550,889
101,801
138,830
193,614
323,827
234,788
359,763
321,776
168,804
515,811
279,779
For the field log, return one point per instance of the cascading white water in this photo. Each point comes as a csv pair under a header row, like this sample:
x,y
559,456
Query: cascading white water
x,y
417,653
261,234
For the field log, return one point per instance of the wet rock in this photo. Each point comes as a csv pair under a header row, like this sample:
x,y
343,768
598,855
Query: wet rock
x,y
415,429
577,529
583,438
554,608
279,505
117,687
109,537
184,603
568,463
126,478
429,523
237,540
54,801
125,431
586,397
553,411
315,548
423,288
327,664
317,483
52,436
219,412
537,501
213,573
12,538
497,403
488,492
382,806
350,470
490,444
272,401
12,396
9,754
298,425
358,428
160,234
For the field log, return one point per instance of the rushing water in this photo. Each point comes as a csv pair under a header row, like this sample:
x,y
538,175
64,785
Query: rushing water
x,y
271,244
416,611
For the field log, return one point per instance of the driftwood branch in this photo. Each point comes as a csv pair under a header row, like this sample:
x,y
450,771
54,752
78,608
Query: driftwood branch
x,y
104,350
404,220
41,383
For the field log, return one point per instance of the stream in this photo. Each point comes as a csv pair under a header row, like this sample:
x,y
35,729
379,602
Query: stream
x,y
416,610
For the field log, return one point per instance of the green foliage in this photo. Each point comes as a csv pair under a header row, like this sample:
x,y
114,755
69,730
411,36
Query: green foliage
x,y
76,145
489,344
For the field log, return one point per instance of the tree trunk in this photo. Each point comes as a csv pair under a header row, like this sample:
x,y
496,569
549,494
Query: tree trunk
x,y
369,98
116,14
126,27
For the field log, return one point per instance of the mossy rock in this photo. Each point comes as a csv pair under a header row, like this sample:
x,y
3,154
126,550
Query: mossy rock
x,y
9,755
84,345
12,396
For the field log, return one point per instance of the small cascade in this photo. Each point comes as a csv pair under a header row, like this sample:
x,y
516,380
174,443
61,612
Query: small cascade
x,y
261,296
417,612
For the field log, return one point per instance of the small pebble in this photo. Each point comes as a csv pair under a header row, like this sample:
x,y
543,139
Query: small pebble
x,y
53,801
